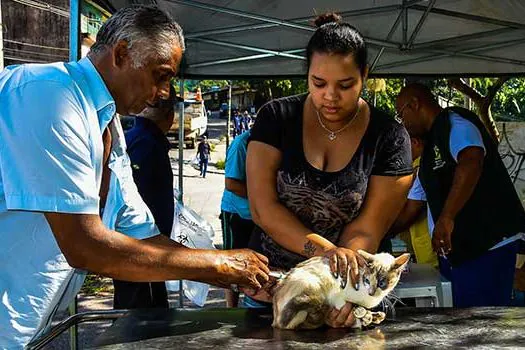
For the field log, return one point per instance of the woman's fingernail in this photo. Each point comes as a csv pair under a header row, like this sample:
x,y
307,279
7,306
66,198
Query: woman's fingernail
x,y
357,286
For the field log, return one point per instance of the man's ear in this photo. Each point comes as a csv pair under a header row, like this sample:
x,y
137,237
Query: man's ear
x,y
120,54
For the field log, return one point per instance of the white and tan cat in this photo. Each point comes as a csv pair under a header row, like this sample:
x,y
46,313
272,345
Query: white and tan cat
x,y
304,296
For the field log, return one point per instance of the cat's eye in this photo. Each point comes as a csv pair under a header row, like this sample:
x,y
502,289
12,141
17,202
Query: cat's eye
x,y
366,281
382,284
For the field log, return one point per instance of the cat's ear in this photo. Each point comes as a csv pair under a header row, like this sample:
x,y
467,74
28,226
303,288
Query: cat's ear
x,y
401,261
369,258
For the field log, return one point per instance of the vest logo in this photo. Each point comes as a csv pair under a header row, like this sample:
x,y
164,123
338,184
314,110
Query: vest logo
x,y
438,160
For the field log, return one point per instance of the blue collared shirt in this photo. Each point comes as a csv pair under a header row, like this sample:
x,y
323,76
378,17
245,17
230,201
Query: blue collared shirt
x,y
148,149
52,117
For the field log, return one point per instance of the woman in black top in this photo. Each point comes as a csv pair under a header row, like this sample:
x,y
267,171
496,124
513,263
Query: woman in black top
x,y
326,164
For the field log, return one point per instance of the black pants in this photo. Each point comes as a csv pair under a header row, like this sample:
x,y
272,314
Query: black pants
x,y
136,295
236,231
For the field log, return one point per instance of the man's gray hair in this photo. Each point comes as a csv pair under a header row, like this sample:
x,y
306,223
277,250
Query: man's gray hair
x,y
149,32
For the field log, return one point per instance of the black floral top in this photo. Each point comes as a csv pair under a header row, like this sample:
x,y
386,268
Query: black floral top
x,y
325,202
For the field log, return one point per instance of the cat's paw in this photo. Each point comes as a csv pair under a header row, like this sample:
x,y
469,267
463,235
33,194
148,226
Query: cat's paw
x,y
359,312
378,317
367,318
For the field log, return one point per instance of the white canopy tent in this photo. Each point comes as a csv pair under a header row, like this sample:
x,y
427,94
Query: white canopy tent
x,y
247,38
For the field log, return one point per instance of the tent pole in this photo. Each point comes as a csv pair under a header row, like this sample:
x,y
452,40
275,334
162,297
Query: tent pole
x,y
1,39
181,141
181,164
74,30
74,55
228,122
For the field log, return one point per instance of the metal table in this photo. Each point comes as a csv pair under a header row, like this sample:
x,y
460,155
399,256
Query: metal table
x,y
251,329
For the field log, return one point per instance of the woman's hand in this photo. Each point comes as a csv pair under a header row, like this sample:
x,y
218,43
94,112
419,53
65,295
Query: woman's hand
x,y
342,261
341,318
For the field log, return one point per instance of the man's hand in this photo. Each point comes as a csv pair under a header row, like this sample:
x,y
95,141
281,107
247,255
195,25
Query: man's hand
x,y
341,318
341,259
243,267
442,235
264,294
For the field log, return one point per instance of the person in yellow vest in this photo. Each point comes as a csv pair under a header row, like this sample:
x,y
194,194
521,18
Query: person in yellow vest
x,y
416,236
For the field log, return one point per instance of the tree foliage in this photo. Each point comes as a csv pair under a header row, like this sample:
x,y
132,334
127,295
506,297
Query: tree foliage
x,y
508,103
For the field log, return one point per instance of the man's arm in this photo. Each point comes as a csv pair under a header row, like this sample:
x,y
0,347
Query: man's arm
x,y
88,245
409,214
236,186
466,177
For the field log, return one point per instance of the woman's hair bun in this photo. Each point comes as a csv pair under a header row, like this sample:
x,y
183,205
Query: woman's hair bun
x,y
325,18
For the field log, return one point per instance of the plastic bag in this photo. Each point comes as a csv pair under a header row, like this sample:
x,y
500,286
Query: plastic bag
x,y
196,163
191,230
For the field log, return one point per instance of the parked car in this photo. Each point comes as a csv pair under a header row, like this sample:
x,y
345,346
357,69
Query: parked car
x,y
195,122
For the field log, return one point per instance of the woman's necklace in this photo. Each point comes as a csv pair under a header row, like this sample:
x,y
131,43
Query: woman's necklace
x,y
332,135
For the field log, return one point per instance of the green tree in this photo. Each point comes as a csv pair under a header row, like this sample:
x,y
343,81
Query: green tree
x,y
482,92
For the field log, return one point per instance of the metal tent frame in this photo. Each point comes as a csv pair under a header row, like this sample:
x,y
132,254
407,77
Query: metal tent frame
x,y
415,37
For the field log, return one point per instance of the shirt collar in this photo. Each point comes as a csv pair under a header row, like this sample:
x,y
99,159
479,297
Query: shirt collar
x,y
102,99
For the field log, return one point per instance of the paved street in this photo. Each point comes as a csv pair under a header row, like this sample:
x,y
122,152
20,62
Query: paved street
x,y
204,195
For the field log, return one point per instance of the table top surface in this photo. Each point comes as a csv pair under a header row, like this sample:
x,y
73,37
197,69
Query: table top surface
x,y
251,329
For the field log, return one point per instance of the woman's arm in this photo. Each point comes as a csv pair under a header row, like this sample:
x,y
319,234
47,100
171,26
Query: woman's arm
x,y
384,200
275,219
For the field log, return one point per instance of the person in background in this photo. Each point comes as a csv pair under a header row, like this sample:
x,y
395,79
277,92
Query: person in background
x,y
416,236
148,148
475,213
236,219
246,119
327,173
204,155
67,199
237,124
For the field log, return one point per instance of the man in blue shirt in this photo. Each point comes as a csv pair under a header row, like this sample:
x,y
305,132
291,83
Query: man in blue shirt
x,y
67,199
236,219
237,124
148,149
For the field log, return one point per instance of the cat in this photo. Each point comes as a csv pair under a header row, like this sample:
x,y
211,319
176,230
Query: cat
x,y
303,297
